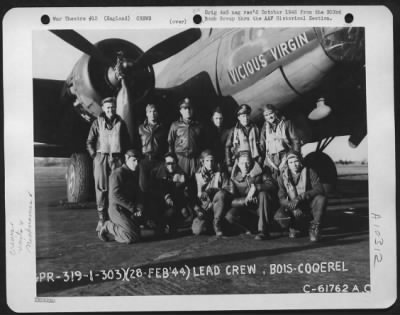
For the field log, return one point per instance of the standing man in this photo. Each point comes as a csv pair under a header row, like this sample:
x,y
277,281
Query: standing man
x,y
278,136
243,137
300,193
153,138
217,136
171,193
107,141
126,205
185,138
252,192
211,194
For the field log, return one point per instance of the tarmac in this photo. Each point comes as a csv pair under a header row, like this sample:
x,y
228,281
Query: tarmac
x,y
72,261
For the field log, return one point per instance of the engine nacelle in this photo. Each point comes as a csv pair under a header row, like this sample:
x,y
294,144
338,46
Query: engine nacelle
x,y
91,80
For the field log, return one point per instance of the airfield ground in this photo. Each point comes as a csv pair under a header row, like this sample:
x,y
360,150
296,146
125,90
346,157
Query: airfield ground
x,y
67,247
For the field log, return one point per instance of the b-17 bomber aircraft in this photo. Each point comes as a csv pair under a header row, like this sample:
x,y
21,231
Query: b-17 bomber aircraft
x,y
315,76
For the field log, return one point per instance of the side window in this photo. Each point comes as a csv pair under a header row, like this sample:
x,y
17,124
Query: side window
x,y
256,33
237,40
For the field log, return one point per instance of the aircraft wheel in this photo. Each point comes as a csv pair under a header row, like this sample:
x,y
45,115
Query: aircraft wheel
x,y
325,168
79,178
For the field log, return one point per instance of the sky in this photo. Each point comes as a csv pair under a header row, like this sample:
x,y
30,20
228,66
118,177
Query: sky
x,y
54,59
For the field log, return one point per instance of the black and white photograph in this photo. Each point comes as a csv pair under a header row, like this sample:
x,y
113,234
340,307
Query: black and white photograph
x,y
200,167
201,161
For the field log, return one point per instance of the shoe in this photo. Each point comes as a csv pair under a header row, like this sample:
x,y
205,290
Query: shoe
x,y
292,233
102,234
261,236
218,228
314,232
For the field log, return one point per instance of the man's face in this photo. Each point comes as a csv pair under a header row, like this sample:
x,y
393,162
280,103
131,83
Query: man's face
x,y
132,162
209,163
186,112
110,109
244,119
270,116
170,164
218,119
152,114
295,165
244,164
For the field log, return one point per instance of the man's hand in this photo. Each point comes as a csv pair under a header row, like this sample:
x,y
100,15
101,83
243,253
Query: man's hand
x,y
293,204
99,225
297,213
138,213
178,178
169,202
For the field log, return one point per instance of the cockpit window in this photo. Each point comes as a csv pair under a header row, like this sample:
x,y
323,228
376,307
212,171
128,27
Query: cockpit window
x,y
256,33
237,40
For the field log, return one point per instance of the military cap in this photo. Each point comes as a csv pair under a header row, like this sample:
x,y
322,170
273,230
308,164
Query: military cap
x,y
205,154
150,106
185,103
269,108
243,109
293,154
110,99
172,155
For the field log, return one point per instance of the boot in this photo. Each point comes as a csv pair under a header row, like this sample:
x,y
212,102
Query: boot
x,y
314,232
218,227
103,234
292,233
102,218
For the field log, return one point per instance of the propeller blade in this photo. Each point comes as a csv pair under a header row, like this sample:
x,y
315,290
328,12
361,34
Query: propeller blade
x,y
169,47
79,42
126,110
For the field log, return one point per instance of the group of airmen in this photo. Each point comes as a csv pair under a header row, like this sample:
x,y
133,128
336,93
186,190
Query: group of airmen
x,y
217,180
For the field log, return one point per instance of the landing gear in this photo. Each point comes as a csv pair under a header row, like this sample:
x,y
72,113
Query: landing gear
x,y
79,178
323,165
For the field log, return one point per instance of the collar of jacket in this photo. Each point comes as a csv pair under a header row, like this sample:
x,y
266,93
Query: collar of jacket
x,y
108,121
188,122
255,171
126,168
276,124
147,125
240,126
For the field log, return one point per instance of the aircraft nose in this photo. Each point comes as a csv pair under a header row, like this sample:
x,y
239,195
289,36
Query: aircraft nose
x,y
343,44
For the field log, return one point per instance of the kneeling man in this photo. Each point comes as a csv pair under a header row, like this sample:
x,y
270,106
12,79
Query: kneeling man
x,y
212,197
125,207
300,193
253,192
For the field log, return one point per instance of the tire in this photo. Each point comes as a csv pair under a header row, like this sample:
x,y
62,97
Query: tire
x,y
79,178
325,168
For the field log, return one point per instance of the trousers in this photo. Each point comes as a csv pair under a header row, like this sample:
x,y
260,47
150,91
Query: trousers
x,y
247,217
103,165
122,227
204,225
316,207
